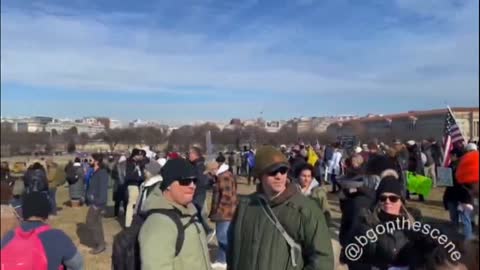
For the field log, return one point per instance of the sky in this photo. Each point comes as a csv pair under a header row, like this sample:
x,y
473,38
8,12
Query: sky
x,y
188,60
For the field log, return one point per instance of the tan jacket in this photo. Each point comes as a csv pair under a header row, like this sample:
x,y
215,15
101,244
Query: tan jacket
x,y
9,219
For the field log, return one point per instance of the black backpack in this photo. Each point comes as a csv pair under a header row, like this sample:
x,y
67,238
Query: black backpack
x,y
36,180
73,175
126,248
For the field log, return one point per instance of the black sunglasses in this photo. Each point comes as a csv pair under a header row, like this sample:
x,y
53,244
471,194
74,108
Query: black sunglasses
x,y
187,181
391,198
281,170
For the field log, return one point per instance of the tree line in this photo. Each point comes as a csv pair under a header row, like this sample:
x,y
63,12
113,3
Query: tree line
x,y
178,140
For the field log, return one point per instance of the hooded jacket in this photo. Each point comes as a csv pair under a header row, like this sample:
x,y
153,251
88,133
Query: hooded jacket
x,y
146,189
158,236
258,245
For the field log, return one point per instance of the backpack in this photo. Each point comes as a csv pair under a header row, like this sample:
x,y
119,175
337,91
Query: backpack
x,y
36,180
73,175
126,248
25,251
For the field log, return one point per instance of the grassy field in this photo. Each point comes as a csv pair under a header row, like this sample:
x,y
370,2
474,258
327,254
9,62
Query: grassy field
x,y
71,220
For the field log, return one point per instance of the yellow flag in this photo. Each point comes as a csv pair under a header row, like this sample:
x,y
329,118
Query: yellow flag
x,y
312,157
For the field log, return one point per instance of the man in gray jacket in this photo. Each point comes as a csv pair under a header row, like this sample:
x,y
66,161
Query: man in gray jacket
x,y
97,196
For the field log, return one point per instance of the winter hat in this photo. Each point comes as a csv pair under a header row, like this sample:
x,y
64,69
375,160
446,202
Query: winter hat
x,y
471,147
35,204
468,169
269,158
153,168
176,169
389,184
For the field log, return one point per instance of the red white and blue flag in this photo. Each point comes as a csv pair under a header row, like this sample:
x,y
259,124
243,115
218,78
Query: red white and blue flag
x,y
452,135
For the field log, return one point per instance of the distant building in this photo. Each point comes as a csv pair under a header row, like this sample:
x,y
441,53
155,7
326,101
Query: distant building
x,y
413,125
115,124
274,126
62,126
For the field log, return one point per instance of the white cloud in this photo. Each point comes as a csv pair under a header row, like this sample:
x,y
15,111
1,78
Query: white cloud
x,y
103,53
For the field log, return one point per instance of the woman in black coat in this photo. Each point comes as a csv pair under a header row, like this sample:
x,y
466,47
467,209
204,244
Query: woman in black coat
x,y
398,248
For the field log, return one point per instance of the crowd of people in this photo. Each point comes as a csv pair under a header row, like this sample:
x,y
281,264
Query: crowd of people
x,y
284,224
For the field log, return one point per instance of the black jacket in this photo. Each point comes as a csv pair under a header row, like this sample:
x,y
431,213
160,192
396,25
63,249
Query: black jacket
x,y
134,173
202,183
351,205
400,248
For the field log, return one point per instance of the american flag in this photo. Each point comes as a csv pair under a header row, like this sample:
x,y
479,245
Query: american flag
x,y
452,135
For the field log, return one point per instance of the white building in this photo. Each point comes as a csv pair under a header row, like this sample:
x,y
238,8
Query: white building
x,y
115,124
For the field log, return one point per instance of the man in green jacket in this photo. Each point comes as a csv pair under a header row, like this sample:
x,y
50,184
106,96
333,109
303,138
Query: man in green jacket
x,y
258,242
158,235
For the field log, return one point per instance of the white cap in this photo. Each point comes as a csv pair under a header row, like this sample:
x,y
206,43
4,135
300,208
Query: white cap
x,y
358,149
471,147
411,143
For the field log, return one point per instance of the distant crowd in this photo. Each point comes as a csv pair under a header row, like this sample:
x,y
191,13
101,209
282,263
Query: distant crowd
x,y
284,224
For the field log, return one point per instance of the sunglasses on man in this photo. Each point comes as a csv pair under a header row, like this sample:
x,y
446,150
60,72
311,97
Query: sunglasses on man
x,y
187,181
391,198
281,170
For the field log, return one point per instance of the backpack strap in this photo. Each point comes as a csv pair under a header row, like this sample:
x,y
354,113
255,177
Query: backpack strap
x,y
295,248
175,215
35,232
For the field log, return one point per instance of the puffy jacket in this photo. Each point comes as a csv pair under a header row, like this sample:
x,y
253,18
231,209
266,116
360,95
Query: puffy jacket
x,y
258,245
76,190
158,236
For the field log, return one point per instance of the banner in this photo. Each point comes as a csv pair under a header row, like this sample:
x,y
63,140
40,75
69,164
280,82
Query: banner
x,y
419,184
312,157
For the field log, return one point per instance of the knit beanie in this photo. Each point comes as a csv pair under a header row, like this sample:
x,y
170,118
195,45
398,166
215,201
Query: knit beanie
x,y
468,168
267,158
36,204
176,169
389,184
153,167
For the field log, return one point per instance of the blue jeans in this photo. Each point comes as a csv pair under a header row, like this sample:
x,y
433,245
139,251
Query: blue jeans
x,y
53,200
452,210
222,229
466,218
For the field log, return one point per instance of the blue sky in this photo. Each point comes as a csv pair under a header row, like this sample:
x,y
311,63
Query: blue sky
x,y
188,60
